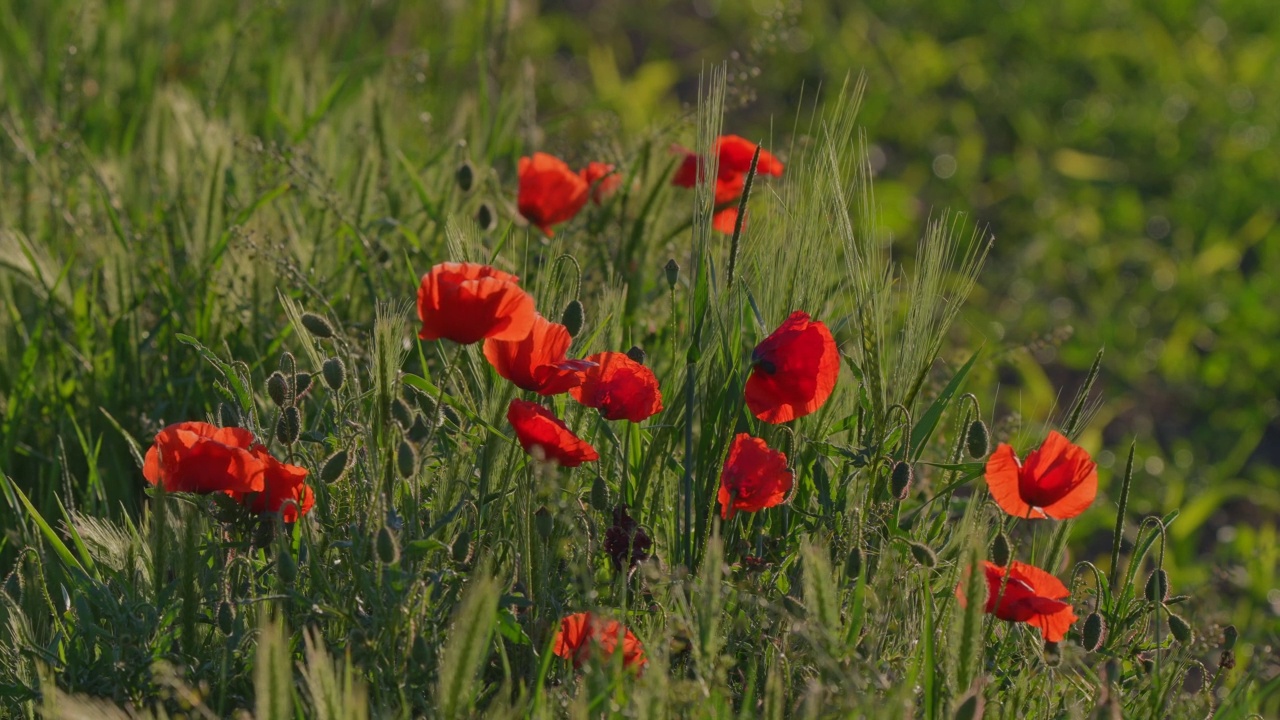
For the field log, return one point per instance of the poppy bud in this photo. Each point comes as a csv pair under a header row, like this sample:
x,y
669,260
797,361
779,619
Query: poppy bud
x,y
923,554
286,566
1229,635
461,549
1158,586
464,176
1180,629
303,382
637,353
317,325
1095,632
979,440
226,618
402,413
599,494
1000,550
672,269
289,426
900,480
388,549
228,415
853,563
406,459
1227,660
334,467
278,389
288,363
485,217
572,318
544,523
971,708
334,372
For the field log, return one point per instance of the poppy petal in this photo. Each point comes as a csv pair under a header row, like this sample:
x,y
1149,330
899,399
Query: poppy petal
x,y
1003,471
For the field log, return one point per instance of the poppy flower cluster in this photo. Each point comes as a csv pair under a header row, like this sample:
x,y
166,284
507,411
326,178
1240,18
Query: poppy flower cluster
x,y
584,637
733,163
551,192
196,457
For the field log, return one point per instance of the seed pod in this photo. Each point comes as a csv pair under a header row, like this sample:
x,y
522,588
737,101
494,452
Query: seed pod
x,y
317,325
279,390
334,467
1180,629
923,554
1158,586
599,494
228,415
572,318
1095,632
1000,550
303,382
226,618
672,268
900,480
461,549
388,549
334,372
544,523
979,439
288,363
402,413
406,459
1229,636
486,218
286,566
971,707
289,426
853,563
637,354
464,176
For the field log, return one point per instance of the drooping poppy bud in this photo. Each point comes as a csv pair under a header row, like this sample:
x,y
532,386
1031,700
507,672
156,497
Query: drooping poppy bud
x,y
794,370
1058,480
226,618
1180,629
923,554
637,354
550,193
1157,588
334,372
1095,632
278,389
572,318
546,437
602,179
289,426
978,439
1001,550
486,218
387,547
406,459
464,176
672,270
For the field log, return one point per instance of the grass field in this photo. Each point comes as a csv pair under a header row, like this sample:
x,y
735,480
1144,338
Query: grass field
x,y
1009,217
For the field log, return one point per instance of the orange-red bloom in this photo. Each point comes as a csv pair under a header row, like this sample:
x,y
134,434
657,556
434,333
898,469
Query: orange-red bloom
x,y
620,387
285,490
794,371
1059,480
537,361
583,635
734,161
550,193
196,457
468,302
546,437
602,179
1031,595
755,477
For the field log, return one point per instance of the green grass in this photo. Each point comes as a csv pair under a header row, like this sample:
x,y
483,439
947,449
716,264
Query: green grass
x,y
174,200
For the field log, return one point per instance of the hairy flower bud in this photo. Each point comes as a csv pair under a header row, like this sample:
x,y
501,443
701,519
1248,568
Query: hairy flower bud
x,y
317,325
1001,550
278,389
464,176
303,383
543,523
486,218
461,549
1229,636
900,480
971,707
978,440
1095,632
334,467
402,413
1180,629
637,354
228,415
406,459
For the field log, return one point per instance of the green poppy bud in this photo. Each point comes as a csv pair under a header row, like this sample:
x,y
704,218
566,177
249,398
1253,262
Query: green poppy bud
x,y
637,354
226,618
672,268
303,382
853,563
334,372
599,494
317,325
464,176
1229,636
1180,629
900,480
1001,551
286,566
979,439
544,523
228,415
406,459
461,549
486,218
971,707
402,413
572,318
289,426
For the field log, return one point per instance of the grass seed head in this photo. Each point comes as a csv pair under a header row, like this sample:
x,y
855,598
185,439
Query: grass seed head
x,y
637,354
573,317
464,176
387,547
289,426
978,440
900,480
1095,632
1158,586
1180,629
335,466
278,389
672,268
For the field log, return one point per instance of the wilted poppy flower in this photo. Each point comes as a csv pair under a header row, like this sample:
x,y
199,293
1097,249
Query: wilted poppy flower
x,y
620,387
734,161
537,361
794,370
468,302
1031,595
582,636
550,193
755,477
546,437
197,457
284,491
625,541
602,180
1059,480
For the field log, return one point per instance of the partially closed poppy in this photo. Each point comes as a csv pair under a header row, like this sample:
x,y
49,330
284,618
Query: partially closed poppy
x,y
284,491
468,302
620,387
537,361
1058,480
197,457
602,179
1031,595
550,193
794,370
546,437
755,477
583,636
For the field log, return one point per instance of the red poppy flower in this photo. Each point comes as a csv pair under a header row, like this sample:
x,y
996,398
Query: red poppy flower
x,y
197,457
546,437
285,489
620,387
755,477
550,193
468,302
794,370
602,179
1031,595
734,161
583,635
537,361
1059,480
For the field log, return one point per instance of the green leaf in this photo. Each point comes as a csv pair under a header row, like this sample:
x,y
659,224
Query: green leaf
x,y
929,421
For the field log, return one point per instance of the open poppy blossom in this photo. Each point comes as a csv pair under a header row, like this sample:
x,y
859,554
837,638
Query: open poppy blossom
x,y
794,370
550,193
196,457
620,387
546,437
583,636
468,302
537,361
602,179
284,491
734,162
755,477
1058,480
1031,595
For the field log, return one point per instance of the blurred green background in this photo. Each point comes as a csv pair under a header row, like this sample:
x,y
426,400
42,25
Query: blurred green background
x,y
1123,154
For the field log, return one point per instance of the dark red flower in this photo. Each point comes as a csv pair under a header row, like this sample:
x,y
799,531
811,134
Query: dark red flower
x,y
794,370
620,387
583,636
1059,480
1031,595
602,179
468,302
755,477
734,161
625,541
537,361
285,490
546,437
550,193
196,457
